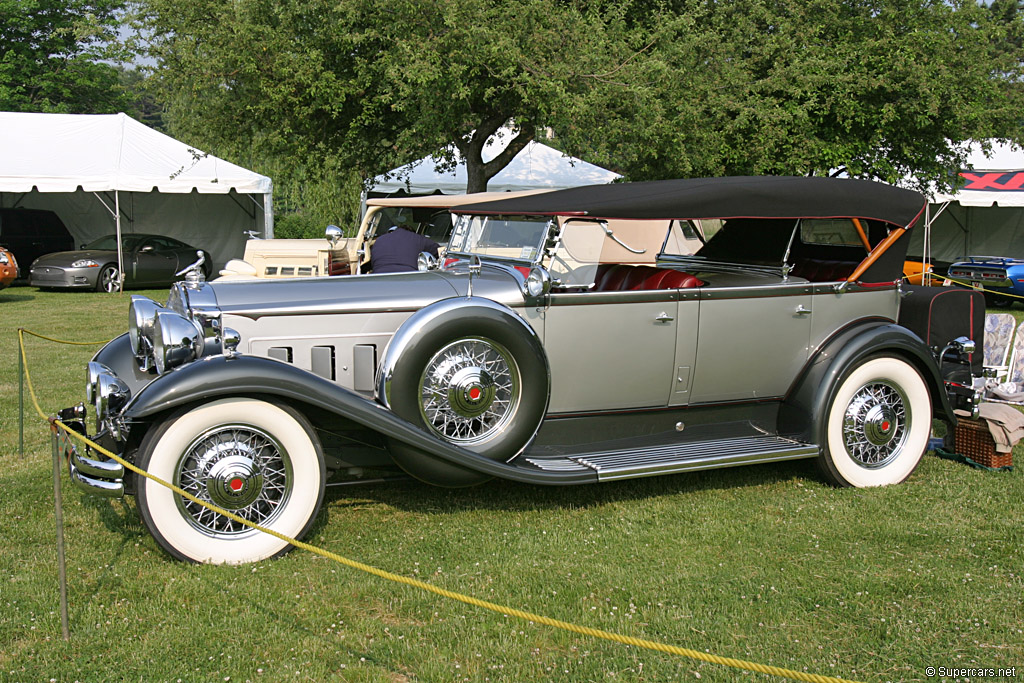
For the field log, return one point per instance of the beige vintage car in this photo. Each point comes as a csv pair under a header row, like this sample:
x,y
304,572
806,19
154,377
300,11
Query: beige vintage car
x,y
286,258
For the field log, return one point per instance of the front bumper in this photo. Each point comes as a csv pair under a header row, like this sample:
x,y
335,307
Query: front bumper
x,y
98,477
52,276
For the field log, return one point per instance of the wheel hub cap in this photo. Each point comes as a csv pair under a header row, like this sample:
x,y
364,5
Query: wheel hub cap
x,y
238,468
234,482
876,424
471,392
880,425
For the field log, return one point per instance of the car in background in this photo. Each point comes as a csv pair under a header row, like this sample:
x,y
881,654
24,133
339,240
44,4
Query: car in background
x,y
8,268
30,233
1001,278
149,260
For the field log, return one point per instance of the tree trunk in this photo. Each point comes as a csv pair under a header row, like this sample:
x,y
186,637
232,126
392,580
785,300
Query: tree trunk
x,y
476,180
478,173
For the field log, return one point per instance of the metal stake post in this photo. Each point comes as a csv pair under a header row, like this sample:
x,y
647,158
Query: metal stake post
x,y
21,397
58,506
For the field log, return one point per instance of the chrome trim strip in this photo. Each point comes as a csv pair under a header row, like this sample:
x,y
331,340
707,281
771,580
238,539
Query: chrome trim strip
x,y
589,298
853,288
757,291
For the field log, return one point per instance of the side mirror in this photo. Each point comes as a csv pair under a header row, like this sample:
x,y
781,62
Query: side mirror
x,y
334,235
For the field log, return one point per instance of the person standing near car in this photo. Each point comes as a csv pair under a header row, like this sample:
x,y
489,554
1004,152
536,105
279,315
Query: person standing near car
x,y
396,250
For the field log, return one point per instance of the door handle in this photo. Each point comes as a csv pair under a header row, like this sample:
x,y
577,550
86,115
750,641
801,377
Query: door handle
x,y
664,318
800,310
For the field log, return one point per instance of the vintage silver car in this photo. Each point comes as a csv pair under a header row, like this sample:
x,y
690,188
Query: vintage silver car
x,y
566,338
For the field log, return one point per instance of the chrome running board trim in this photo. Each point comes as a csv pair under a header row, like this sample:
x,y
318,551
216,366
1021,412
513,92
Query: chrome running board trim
x,y
697,455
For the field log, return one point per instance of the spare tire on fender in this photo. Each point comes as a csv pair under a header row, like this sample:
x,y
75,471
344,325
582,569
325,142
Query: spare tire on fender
x,y
473,374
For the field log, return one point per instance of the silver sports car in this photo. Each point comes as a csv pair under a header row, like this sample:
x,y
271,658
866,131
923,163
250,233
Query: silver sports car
x,y
566,338
149,260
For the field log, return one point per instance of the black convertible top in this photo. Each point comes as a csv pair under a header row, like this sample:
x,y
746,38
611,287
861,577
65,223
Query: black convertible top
x,y
728,197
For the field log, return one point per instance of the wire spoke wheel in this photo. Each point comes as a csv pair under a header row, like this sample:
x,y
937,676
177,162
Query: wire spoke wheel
x,y
469,390
239,468
257,460
876,424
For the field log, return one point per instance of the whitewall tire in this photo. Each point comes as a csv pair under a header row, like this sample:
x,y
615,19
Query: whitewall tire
x,y
878,424
258,460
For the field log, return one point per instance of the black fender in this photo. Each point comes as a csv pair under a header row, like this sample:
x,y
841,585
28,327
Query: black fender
x,y
805,406
117,355
219,376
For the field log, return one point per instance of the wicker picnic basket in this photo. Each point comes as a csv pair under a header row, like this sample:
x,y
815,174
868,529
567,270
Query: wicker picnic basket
x,y
974,440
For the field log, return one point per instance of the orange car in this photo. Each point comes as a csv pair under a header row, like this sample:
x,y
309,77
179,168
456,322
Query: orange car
x,y
8,268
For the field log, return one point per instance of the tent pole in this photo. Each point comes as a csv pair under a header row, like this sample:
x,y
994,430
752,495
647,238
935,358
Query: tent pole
x,y
927,277
268,215
120,250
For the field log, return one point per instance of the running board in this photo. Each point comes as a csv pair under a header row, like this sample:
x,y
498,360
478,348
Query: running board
x,y
680,457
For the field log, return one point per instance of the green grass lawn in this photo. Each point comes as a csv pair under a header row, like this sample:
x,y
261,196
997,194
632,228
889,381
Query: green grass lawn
x,y
763,563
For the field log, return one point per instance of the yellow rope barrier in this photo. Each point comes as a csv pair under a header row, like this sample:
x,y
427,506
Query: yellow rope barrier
x,y
469,600
22,331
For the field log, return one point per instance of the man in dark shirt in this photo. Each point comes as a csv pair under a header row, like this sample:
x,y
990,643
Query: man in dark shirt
x,y
396,250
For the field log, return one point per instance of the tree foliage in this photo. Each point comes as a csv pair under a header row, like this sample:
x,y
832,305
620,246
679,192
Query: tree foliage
x,y
651,88
889,89
60,55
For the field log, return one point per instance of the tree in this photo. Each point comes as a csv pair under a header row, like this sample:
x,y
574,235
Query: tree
x,y
379,84
59,55
652,88
888,89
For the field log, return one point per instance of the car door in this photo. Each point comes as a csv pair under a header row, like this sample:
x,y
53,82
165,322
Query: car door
x,y
610,350
610,346
155,261
752,341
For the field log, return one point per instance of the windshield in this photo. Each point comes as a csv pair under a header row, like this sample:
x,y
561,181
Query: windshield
x,y
429,221
109,243
519,238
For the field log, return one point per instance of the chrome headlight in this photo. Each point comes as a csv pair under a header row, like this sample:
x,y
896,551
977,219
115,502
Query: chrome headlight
x,y
176,340
3,258
111,395
92,373
141,315
85,263
538,282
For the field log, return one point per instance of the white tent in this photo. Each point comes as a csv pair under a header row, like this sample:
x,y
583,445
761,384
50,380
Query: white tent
x,y
985,217
536,167
109,173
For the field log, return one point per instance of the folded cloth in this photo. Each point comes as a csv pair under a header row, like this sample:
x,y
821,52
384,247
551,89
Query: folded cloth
x,y
1007,391
1005,423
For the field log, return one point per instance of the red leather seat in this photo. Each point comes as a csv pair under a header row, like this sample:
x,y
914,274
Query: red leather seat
x,y
619,277
610,276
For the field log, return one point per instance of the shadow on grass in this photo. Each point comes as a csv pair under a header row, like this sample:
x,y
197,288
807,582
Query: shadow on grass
x,y
7,295
414,496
